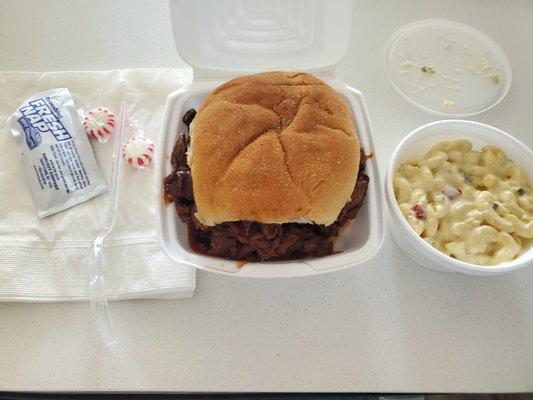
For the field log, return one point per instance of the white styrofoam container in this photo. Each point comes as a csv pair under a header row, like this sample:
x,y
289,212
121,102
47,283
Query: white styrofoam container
x,y
226,38
419,142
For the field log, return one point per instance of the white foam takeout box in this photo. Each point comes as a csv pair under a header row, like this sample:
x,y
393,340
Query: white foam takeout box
x,y
222,39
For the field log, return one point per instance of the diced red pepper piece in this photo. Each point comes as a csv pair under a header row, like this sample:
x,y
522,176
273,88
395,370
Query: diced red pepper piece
x,y
419,212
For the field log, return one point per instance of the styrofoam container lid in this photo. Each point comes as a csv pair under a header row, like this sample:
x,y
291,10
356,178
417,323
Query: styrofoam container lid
x,y
447,68
221,37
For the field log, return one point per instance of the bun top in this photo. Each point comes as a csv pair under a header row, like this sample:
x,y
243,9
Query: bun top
x,y
274,147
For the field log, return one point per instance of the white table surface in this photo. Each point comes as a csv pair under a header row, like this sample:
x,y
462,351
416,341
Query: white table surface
x,y
386,326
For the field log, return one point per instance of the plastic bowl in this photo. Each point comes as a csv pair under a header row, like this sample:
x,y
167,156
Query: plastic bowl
x,y
417,143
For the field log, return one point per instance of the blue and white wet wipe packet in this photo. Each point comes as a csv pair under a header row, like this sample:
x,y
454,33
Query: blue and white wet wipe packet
x,y
57,157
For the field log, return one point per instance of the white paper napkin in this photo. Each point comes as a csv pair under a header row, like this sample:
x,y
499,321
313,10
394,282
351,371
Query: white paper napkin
x,y
44,260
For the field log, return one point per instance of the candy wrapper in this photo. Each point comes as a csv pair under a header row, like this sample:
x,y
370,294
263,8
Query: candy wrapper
x,y
138,152
57,157
99,123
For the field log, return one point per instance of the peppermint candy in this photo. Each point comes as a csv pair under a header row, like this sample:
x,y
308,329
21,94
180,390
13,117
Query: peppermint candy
x,y
138,152
99,123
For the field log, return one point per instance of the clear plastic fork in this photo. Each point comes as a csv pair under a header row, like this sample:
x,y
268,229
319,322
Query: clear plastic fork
x,y
97,287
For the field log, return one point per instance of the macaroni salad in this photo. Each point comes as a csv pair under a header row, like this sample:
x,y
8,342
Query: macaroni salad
x,y
475,206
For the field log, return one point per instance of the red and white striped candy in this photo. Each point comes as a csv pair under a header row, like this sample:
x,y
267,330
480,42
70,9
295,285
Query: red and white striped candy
x,y
138,152
99,123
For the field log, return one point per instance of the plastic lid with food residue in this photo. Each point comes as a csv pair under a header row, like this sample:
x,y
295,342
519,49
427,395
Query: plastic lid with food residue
x,y
221,38
447,68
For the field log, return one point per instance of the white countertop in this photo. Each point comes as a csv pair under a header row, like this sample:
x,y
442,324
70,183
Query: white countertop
x,y
387,326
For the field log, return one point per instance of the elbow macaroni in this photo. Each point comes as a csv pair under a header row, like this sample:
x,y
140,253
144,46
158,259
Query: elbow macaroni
x,y
475,206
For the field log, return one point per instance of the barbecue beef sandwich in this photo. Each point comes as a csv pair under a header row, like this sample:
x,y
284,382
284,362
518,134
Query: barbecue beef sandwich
x,y
271,169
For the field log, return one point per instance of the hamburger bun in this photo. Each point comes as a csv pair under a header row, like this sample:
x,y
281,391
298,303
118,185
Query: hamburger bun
x,y
274,147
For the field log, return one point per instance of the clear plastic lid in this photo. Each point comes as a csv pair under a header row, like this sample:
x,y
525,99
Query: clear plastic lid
x,y
447,68
220,38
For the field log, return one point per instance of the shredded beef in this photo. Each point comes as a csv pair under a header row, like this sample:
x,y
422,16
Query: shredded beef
x,y
189,116
247,240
